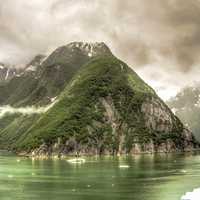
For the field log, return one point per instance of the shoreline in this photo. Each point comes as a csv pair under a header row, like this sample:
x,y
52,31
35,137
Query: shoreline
x,y
66,156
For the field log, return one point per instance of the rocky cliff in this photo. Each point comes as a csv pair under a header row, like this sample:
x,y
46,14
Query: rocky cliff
x,y
8,72
161,136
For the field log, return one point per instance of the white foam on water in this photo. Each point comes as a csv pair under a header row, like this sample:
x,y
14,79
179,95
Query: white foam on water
x,y
183,171
10,176
76,160
195,195
90,54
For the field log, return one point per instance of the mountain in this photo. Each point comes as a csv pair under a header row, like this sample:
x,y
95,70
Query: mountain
x,y
7,72
44,78
86,101
186,105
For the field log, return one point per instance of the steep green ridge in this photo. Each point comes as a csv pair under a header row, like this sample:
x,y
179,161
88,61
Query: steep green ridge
x,y
45,79
102,107
15,129
186,106
17,89
82,116
80,106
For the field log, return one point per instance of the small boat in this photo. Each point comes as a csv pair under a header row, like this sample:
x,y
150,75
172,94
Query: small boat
x,y
124,166
183,171
76,160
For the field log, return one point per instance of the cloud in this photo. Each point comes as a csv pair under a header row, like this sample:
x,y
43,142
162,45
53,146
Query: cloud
x,y
5,110
141,32
29,110
167,82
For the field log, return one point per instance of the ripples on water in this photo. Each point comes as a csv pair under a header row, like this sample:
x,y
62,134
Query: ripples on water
x,y
146,177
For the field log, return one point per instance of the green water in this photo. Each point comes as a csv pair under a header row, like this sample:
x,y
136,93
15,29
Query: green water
x,y
158,177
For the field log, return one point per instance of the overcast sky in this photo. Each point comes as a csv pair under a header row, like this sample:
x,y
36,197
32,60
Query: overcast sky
x,y
159,39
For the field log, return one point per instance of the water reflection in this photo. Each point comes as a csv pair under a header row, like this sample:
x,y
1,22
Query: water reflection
x,y
148,177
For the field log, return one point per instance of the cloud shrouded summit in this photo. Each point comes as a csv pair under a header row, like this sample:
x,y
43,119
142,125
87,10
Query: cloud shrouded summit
x,y
158,38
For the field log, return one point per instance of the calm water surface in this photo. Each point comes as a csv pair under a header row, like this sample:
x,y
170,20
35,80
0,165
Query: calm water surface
x,y
149,177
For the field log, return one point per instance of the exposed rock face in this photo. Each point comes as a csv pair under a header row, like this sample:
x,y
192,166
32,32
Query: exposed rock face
x,y
90,49
157,117
7,72
36,61
112,117
76,52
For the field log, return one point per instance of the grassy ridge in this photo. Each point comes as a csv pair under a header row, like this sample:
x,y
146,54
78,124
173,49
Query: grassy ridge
x,y
79,109
83,87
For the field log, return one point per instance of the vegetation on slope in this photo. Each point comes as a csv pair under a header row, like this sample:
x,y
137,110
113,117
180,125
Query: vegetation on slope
x,y
48,78
102,106
79,114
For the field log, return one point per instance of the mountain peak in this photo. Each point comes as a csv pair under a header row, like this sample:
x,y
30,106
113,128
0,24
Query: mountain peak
x,y
36,61
77,52
91,49
2,65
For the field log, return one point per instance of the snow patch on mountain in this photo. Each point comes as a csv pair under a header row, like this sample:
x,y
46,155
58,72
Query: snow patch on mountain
x,y
43,59
174,110
197,104
31,68
90,49
53,99
7,74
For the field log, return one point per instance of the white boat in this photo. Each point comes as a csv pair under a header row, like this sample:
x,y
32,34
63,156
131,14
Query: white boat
x,y
124,166
76,160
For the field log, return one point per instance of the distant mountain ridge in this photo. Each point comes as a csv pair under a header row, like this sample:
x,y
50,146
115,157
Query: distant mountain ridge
x,y
186,105
48,75
96,105
7,72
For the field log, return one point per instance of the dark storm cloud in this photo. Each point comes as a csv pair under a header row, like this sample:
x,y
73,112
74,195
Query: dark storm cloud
x,y
140,31
166,29
161,33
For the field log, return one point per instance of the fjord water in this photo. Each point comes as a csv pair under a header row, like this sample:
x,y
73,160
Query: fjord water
x,y
149,177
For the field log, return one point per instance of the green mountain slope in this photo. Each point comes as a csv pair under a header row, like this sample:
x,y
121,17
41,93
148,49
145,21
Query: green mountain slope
x,y
103,108
45,79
